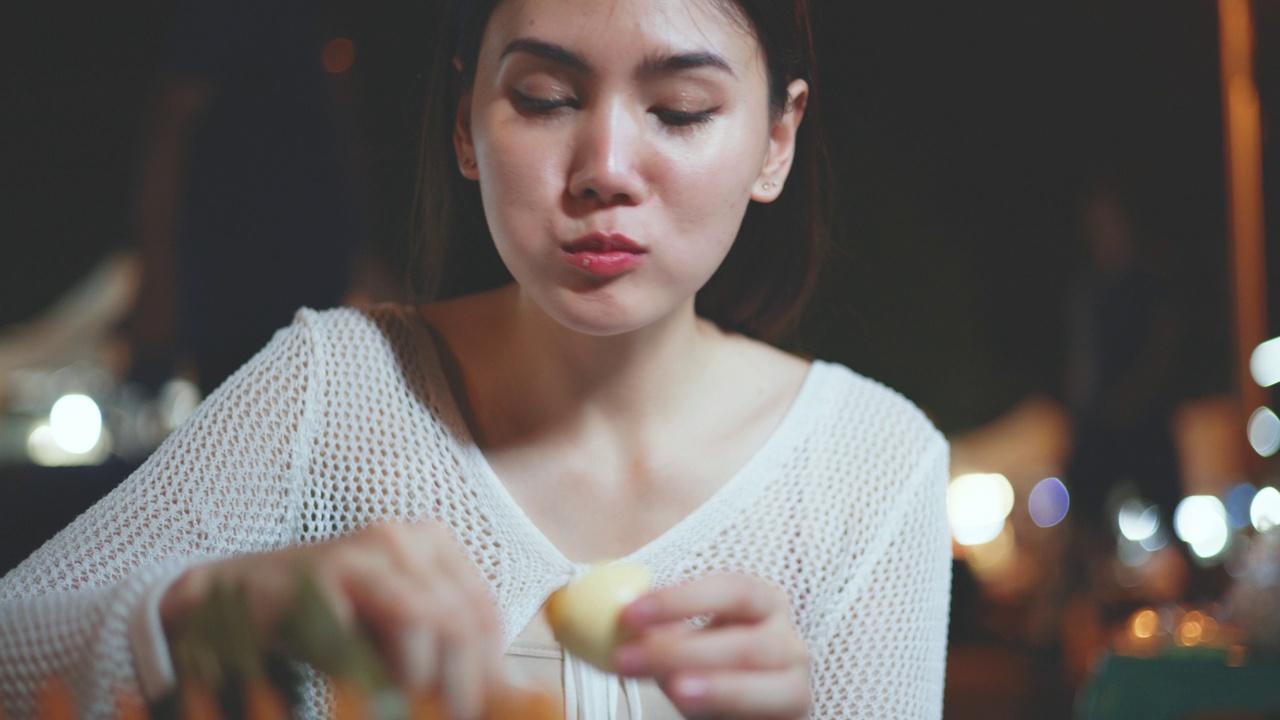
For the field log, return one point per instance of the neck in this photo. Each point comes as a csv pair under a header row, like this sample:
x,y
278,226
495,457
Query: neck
x,y
547,377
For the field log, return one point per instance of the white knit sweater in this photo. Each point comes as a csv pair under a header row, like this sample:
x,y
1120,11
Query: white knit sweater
x,y
345,418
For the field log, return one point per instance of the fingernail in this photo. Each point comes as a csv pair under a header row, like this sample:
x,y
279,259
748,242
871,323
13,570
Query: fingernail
x,y
628,660
692,690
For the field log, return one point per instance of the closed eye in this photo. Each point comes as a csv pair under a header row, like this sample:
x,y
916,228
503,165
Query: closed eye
x,y
541,105
680,118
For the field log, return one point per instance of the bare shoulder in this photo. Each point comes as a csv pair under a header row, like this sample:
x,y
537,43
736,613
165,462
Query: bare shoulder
x,y
454,310
766,372
461,320
761,357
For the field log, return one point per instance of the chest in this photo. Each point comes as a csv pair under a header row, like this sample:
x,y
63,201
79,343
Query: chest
x,y
597,505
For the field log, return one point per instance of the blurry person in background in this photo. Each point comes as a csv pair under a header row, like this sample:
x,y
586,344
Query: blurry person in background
x,y
1122,370
1121,392
246,205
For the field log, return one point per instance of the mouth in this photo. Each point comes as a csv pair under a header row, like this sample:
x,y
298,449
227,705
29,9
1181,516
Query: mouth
x,y
604,255
603,243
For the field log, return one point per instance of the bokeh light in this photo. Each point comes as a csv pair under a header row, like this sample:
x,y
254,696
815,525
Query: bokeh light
x,y
339,55
1144,623
1132,554
1264,512
1239,499
1264,432
1264,363
993,559
1048,502
44,450
76,423
977,506
1191,629
1208,629
1201,522
178,399
1157,540
1137,520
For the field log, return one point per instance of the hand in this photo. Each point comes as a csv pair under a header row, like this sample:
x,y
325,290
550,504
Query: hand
x,y
409,587
747,662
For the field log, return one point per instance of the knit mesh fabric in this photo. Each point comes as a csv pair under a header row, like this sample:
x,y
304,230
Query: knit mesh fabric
x,y
346,419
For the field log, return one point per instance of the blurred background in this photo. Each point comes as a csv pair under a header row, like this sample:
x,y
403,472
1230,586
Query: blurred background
x,y
1035,242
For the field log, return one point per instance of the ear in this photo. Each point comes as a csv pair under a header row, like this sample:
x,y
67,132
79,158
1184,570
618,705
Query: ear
x,y
462,142
782,145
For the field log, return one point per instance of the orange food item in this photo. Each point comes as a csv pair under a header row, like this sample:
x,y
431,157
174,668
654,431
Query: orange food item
x,y
350,702
507,703
428,706
56,702
263,702
523,704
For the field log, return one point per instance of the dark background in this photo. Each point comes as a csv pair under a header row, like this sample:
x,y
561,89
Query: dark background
x,y
962,135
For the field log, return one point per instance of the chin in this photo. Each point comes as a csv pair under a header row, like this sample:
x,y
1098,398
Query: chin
x,y
600,325
598,315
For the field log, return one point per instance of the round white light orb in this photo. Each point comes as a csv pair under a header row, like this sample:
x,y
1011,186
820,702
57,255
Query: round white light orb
x,y
76,423
977,506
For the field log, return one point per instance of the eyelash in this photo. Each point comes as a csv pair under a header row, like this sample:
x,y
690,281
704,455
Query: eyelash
x,y
675,119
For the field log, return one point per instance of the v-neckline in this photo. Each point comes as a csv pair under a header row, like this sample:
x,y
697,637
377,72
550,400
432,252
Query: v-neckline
x,y
738,490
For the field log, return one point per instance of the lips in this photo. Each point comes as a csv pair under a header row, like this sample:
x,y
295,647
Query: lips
x,y
602,243
604,255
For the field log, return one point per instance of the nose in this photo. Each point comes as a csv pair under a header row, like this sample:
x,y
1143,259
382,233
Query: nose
x,y
608,157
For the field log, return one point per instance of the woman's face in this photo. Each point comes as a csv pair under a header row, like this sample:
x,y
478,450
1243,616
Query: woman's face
x,y
617,144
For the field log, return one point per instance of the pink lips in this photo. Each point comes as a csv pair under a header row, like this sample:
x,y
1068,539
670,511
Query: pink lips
x,y
604,255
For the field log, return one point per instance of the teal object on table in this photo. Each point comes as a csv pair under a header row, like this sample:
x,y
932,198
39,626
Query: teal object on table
x,y
1178,684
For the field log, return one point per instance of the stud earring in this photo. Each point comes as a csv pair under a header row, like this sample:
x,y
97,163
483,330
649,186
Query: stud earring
x,y
768,185
469,162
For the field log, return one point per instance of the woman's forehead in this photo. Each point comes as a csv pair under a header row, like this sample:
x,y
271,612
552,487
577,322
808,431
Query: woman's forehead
x,y
611,28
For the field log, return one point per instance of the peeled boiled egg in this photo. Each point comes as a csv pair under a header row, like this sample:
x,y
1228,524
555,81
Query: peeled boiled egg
x,y
584,614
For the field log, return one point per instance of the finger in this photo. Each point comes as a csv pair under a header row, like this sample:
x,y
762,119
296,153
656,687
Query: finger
x,y
729,598
468,665
663,652
433,616
432,554
747,694
466,605
393,609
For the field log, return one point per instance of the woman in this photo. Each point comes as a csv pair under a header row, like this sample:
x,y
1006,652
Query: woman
x,y
444,469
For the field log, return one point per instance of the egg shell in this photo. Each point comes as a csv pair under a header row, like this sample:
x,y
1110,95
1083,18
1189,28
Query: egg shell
x,y
584,614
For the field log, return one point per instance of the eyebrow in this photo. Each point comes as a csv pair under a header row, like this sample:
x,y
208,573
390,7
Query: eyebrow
x,y
655,65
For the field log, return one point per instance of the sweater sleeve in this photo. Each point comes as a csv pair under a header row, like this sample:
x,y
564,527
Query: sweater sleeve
x,y
222,484
881,652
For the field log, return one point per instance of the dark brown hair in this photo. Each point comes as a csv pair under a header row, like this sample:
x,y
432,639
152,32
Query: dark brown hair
x,y
763,284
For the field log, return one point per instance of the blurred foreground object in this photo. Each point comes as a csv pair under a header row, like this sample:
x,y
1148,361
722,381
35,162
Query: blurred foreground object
x,y
225,670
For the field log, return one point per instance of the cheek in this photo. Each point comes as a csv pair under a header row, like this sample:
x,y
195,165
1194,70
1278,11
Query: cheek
x,y
517,176
710,191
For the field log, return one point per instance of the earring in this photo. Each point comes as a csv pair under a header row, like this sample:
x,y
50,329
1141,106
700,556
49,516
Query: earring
x,y
469,162
767,185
